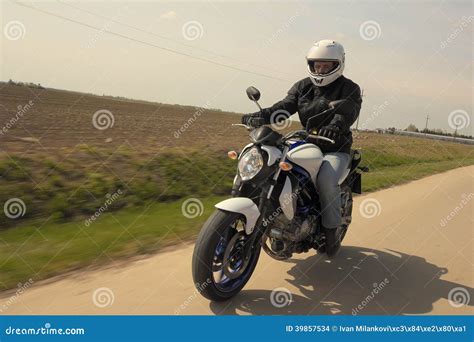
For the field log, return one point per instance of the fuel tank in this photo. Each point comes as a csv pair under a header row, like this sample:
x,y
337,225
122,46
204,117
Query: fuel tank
x,y
308,156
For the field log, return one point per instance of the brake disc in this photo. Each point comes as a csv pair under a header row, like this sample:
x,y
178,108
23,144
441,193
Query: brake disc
x,y
235,261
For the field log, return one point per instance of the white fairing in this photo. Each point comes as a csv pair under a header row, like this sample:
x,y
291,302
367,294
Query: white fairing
x,y
244,206
273,154
287,200
309,157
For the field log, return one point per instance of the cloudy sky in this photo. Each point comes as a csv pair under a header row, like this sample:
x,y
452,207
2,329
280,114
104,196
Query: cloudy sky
x,y
412,58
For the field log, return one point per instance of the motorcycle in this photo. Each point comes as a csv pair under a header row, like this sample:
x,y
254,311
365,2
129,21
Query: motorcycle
x,y
274,206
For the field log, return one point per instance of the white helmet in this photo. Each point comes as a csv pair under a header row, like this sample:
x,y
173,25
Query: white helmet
x,y
325,50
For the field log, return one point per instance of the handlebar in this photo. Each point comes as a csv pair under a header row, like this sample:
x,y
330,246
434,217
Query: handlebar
x,y
304,134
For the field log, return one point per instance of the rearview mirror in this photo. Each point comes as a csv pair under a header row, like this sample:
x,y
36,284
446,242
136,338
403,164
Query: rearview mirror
x,y
253,93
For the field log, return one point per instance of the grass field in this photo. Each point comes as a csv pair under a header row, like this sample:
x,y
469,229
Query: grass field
x,y
64,170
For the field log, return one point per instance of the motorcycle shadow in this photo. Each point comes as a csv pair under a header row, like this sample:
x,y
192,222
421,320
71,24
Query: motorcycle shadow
x,y
359,281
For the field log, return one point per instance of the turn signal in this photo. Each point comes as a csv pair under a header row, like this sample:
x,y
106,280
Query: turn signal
x,y
232,155
285,166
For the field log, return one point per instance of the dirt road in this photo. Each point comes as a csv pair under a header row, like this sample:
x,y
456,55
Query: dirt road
x,y
408,250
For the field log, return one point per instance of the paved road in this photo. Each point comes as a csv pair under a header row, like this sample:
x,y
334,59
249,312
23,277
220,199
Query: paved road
x,y
407,248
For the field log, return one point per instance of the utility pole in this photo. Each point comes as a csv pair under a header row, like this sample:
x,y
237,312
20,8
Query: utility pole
x,y
426,125
455,131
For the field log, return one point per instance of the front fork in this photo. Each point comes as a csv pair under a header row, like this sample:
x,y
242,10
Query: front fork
x,y
265,206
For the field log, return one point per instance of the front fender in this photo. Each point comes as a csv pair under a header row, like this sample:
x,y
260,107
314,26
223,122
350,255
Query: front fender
x,y
244,206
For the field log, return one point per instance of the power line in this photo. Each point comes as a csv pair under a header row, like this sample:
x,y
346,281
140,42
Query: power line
x,y
150,44
162,37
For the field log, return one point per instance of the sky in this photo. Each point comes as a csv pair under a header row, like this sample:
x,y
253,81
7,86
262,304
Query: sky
x,y
411,58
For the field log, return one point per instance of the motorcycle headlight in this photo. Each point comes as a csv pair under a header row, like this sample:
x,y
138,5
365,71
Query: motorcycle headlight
x,y
250,164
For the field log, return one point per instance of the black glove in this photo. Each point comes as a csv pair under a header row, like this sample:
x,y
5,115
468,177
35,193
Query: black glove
x,y
330,131
253,120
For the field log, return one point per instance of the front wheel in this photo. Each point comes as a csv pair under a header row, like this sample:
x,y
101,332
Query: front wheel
x,y
220,267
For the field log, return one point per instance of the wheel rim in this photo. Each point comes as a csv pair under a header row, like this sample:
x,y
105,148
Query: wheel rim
x,y
229,266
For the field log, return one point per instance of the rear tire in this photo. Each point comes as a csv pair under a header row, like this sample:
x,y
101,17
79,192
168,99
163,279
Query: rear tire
x,y
346,210
220,228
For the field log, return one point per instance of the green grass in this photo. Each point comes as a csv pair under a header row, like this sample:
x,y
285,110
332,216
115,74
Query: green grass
x,y
77,186
61,193
391,176
38,252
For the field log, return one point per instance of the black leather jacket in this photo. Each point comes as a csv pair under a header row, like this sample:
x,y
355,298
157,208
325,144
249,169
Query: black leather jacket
x,y
308,100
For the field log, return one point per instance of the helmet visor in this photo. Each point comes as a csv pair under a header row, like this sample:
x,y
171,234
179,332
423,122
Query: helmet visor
x,y
321,67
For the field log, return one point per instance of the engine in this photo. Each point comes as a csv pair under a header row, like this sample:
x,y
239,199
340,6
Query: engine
x,y
286,237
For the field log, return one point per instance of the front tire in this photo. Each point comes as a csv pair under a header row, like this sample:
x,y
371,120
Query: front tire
x,y
220,269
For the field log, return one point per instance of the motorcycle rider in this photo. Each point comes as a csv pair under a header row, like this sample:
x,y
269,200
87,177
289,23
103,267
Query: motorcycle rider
x,y
310,96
